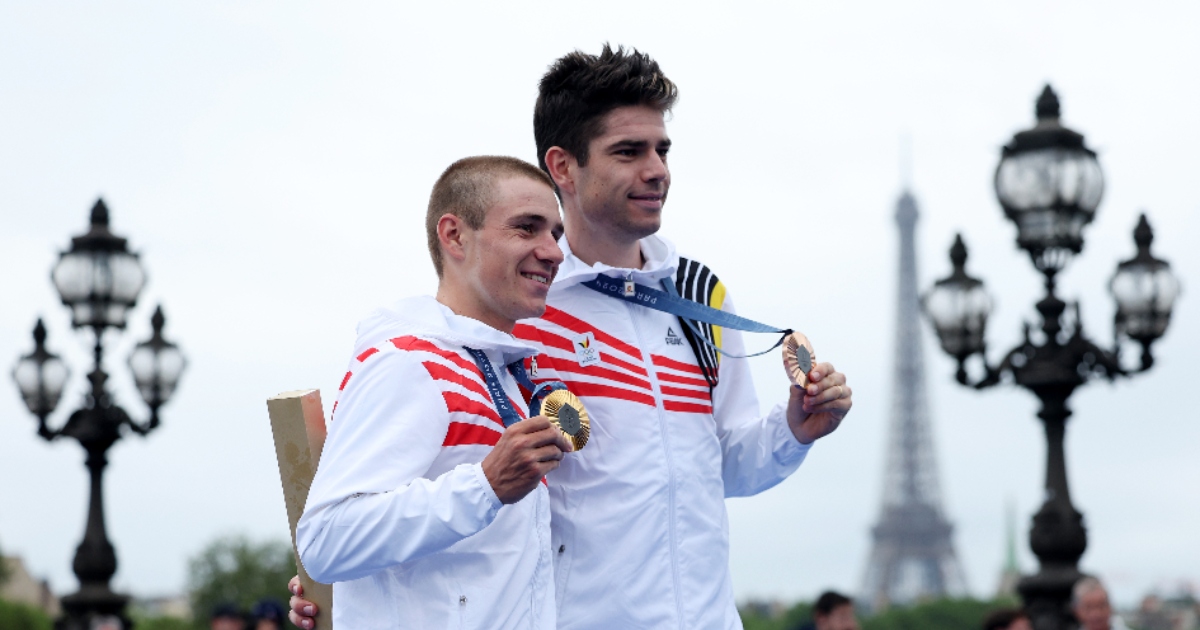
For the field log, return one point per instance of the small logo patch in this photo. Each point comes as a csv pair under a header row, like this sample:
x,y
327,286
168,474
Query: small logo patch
x,y
586,351
672,338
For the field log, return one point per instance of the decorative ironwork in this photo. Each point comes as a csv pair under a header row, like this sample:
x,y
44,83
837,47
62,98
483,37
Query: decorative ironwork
x,y
1061,358
99,280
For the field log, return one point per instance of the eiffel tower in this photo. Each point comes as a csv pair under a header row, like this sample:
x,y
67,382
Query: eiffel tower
x,y
912,557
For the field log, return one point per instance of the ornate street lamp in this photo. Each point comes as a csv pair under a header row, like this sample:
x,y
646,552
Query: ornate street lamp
x,y
99,280
1050,184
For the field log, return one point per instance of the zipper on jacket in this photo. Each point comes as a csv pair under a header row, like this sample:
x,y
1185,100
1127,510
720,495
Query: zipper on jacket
x,y
648,361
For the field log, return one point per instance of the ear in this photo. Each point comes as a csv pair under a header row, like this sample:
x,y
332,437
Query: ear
x,y
453,236
563,167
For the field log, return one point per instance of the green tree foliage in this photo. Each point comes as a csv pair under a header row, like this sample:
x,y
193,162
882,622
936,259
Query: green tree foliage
x,y
16,616
237,570
792,619
4,571
167,623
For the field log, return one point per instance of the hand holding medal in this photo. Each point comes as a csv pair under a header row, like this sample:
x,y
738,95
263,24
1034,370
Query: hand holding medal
x,y
820,397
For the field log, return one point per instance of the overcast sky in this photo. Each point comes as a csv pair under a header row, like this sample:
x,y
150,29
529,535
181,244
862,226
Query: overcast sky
x,y
271,163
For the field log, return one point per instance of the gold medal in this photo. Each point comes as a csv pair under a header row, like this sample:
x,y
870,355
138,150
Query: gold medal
x,y
566,412
798,358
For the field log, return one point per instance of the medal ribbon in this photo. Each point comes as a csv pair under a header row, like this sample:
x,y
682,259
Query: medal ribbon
x,y
496,391
687,311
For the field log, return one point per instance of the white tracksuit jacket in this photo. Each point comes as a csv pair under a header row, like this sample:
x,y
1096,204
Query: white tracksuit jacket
x,y
400,514
639,530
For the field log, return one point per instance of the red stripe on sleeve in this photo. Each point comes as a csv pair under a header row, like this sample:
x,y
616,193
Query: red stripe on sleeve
x,y
682,380
413,343
675,365
369,351
461,433
345,380
440,372
687,393
608,391
457,402
671,405
572,323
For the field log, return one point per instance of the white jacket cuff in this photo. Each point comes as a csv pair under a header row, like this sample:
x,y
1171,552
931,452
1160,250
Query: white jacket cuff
x,y
788,451
487,489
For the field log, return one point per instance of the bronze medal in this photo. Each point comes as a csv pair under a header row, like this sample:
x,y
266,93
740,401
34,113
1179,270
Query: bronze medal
x,y
798,358
566,412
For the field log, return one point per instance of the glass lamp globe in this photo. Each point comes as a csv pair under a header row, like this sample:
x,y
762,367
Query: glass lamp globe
x,y
1049,184
157,365
99,279
41,376
1144,289
959,307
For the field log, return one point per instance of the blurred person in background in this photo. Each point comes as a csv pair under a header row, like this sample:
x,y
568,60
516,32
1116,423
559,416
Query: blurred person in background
x,y
1007,619
1089,601
267,614
834,611
226,616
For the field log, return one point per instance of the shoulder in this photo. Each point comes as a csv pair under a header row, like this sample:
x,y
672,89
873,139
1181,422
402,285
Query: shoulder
x,y
410,359
696,281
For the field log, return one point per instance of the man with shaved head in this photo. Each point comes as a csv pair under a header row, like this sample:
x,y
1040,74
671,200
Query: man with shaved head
x,y
428,508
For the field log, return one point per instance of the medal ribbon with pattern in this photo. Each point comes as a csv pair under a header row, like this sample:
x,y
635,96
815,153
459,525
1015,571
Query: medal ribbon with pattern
x,y
669,301
563,408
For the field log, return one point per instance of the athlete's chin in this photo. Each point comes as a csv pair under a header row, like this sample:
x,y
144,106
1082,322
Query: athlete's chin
x,y
646,227
531,308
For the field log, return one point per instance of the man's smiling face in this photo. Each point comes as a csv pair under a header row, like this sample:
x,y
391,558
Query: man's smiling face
x,y
512,259
622,189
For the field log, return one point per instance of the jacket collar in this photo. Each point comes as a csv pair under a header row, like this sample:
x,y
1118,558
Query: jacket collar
x,y
661,262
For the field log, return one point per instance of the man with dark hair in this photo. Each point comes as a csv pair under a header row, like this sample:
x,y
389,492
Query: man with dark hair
x,y
834,611
639,528
427,509
267,614
226,616
1007,619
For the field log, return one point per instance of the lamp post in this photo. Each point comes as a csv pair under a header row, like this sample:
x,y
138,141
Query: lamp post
x,y
99,279
1050,184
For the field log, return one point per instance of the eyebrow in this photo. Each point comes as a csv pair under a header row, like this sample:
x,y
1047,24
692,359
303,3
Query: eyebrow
x,y
530,217
638,144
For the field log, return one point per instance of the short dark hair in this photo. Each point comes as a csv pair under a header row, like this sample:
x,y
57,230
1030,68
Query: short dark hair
x,y
467,189
828,601
226,610
1003,618
579,89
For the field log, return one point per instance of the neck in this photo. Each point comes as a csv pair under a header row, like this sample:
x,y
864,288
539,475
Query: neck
x,y
460,302
596,247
